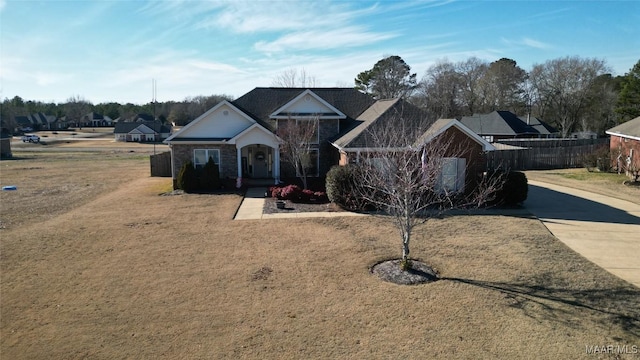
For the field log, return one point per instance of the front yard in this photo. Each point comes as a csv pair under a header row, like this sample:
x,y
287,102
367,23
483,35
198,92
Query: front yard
x,y
95,264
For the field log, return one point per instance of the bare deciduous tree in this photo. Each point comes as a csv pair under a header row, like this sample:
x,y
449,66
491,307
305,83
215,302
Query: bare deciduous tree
x,y
294,78
562,88
297,139
414,175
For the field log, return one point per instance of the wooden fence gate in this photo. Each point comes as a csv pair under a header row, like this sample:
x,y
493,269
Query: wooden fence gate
x,y
161,164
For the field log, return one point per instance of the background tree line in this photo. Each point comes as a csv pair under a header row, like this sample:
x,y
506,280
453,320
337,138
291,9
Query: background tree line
x,y
570,93
178,112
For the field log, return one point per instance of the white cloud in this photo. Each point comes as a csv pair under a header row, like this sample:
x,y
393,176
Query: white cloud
x,y
535,43
351,36
3,3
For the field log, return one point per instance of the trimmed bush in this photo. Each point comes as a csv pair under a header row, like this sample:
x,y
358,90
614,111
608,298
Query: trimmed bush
x,y
514,189
342,187
210,176
187,178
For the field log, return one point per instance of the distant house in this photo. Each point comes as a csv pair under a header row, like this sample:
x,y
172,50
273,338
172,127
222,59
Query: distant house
x,y
95,120
499,125
141,118
150,131
240,135
5,143
36,121
625,145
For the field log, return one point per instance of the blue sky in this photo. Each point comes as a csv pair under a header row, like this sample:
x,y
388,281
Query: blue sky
x,y
111,50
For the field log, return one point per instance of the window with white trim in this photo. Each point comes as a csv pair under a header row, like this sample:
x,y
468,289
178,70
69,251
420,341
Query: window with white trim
x,y
201,156
316,130
452,176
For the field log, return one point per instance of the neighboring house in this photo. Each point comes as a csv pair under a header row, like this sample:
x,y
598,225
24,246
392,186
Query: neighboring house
x,y
240,135
95,120
141,118
150,131
499,125
36,121
5,143
625,145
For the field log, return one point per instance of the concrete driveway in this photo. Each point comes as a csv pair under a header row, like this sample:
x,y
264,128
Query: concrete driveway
x,y
603,229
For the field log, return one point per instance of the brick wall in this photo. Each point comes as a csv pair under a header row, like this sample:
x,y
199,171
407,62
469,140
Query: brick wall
x,y
183,153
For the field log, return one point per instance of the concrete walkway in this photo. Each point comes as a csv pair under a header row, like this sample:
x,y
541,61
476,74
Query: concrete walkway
x,y
253,203
604,230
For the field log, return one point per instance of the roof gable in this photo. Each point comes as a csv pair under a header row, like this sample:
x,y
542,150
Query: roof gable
x,y
261,103
223,121
307,104
442,125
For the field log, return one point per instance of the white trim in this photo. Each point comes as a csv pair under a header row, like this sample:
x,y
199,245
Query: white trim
x,y
206,114
207,156
234,139
339,114
623,135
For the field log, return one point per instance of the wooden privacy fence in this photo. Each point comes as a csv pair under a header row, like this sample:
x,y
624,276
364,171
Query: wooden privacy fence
x,y
542,154
161,164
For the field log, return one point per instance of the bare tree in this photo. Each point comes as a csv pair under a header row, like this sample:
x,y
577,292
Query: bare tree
x,y
414,175
294,78
439,90
502,86
298,139
562,88
75,108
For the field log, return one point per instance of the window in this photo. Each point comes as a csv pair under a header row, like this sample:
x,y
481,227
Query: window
x,y
452,176
201,156
315,123
311,161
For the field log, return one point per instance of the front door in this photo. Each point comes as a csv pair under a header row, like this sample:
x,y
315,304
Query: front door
x,y
260,162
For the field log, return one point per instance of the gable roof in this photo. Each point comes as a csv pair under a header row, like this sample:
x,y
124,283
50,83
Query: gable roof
x,y
540,126
127,127
504,123
442,125
396,113
260,103
629,129
309,96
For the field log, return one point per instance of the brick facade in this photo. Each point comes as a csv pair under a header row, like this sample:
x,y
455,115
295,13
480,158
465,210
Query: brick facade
x,y
183,153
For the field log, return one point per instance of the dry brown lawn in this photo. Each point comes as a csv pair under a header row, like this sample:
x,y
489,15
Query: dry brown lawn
x,y
102,267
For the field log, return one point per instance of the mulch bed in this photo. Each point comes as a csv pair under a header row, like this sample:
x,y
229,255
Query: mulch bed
x,y
291,207
420,273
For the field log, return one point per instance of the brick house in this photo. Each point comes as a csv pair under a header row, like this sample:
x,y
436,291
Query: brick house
x,y
240,135
625,145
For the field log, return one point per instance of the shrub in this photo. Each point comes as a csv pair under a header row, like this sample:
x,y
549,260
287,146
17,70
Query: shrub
x,y
291,192
342,187
187,178
210,176
599,159
514,189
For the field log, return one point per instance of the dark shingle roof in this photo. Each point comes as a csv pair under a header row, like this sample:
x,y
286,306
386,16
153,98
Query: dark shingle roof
x,y
397,114
502,123
260,103
126,127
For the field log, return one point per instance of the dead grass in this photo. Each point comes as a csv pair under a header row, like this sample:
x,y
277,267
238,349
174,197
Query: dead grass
x,y
125,273
609,184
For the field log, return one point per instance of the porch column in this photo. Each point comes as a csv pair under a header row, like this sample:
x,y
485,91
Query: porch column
x,y
239,161
276,164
